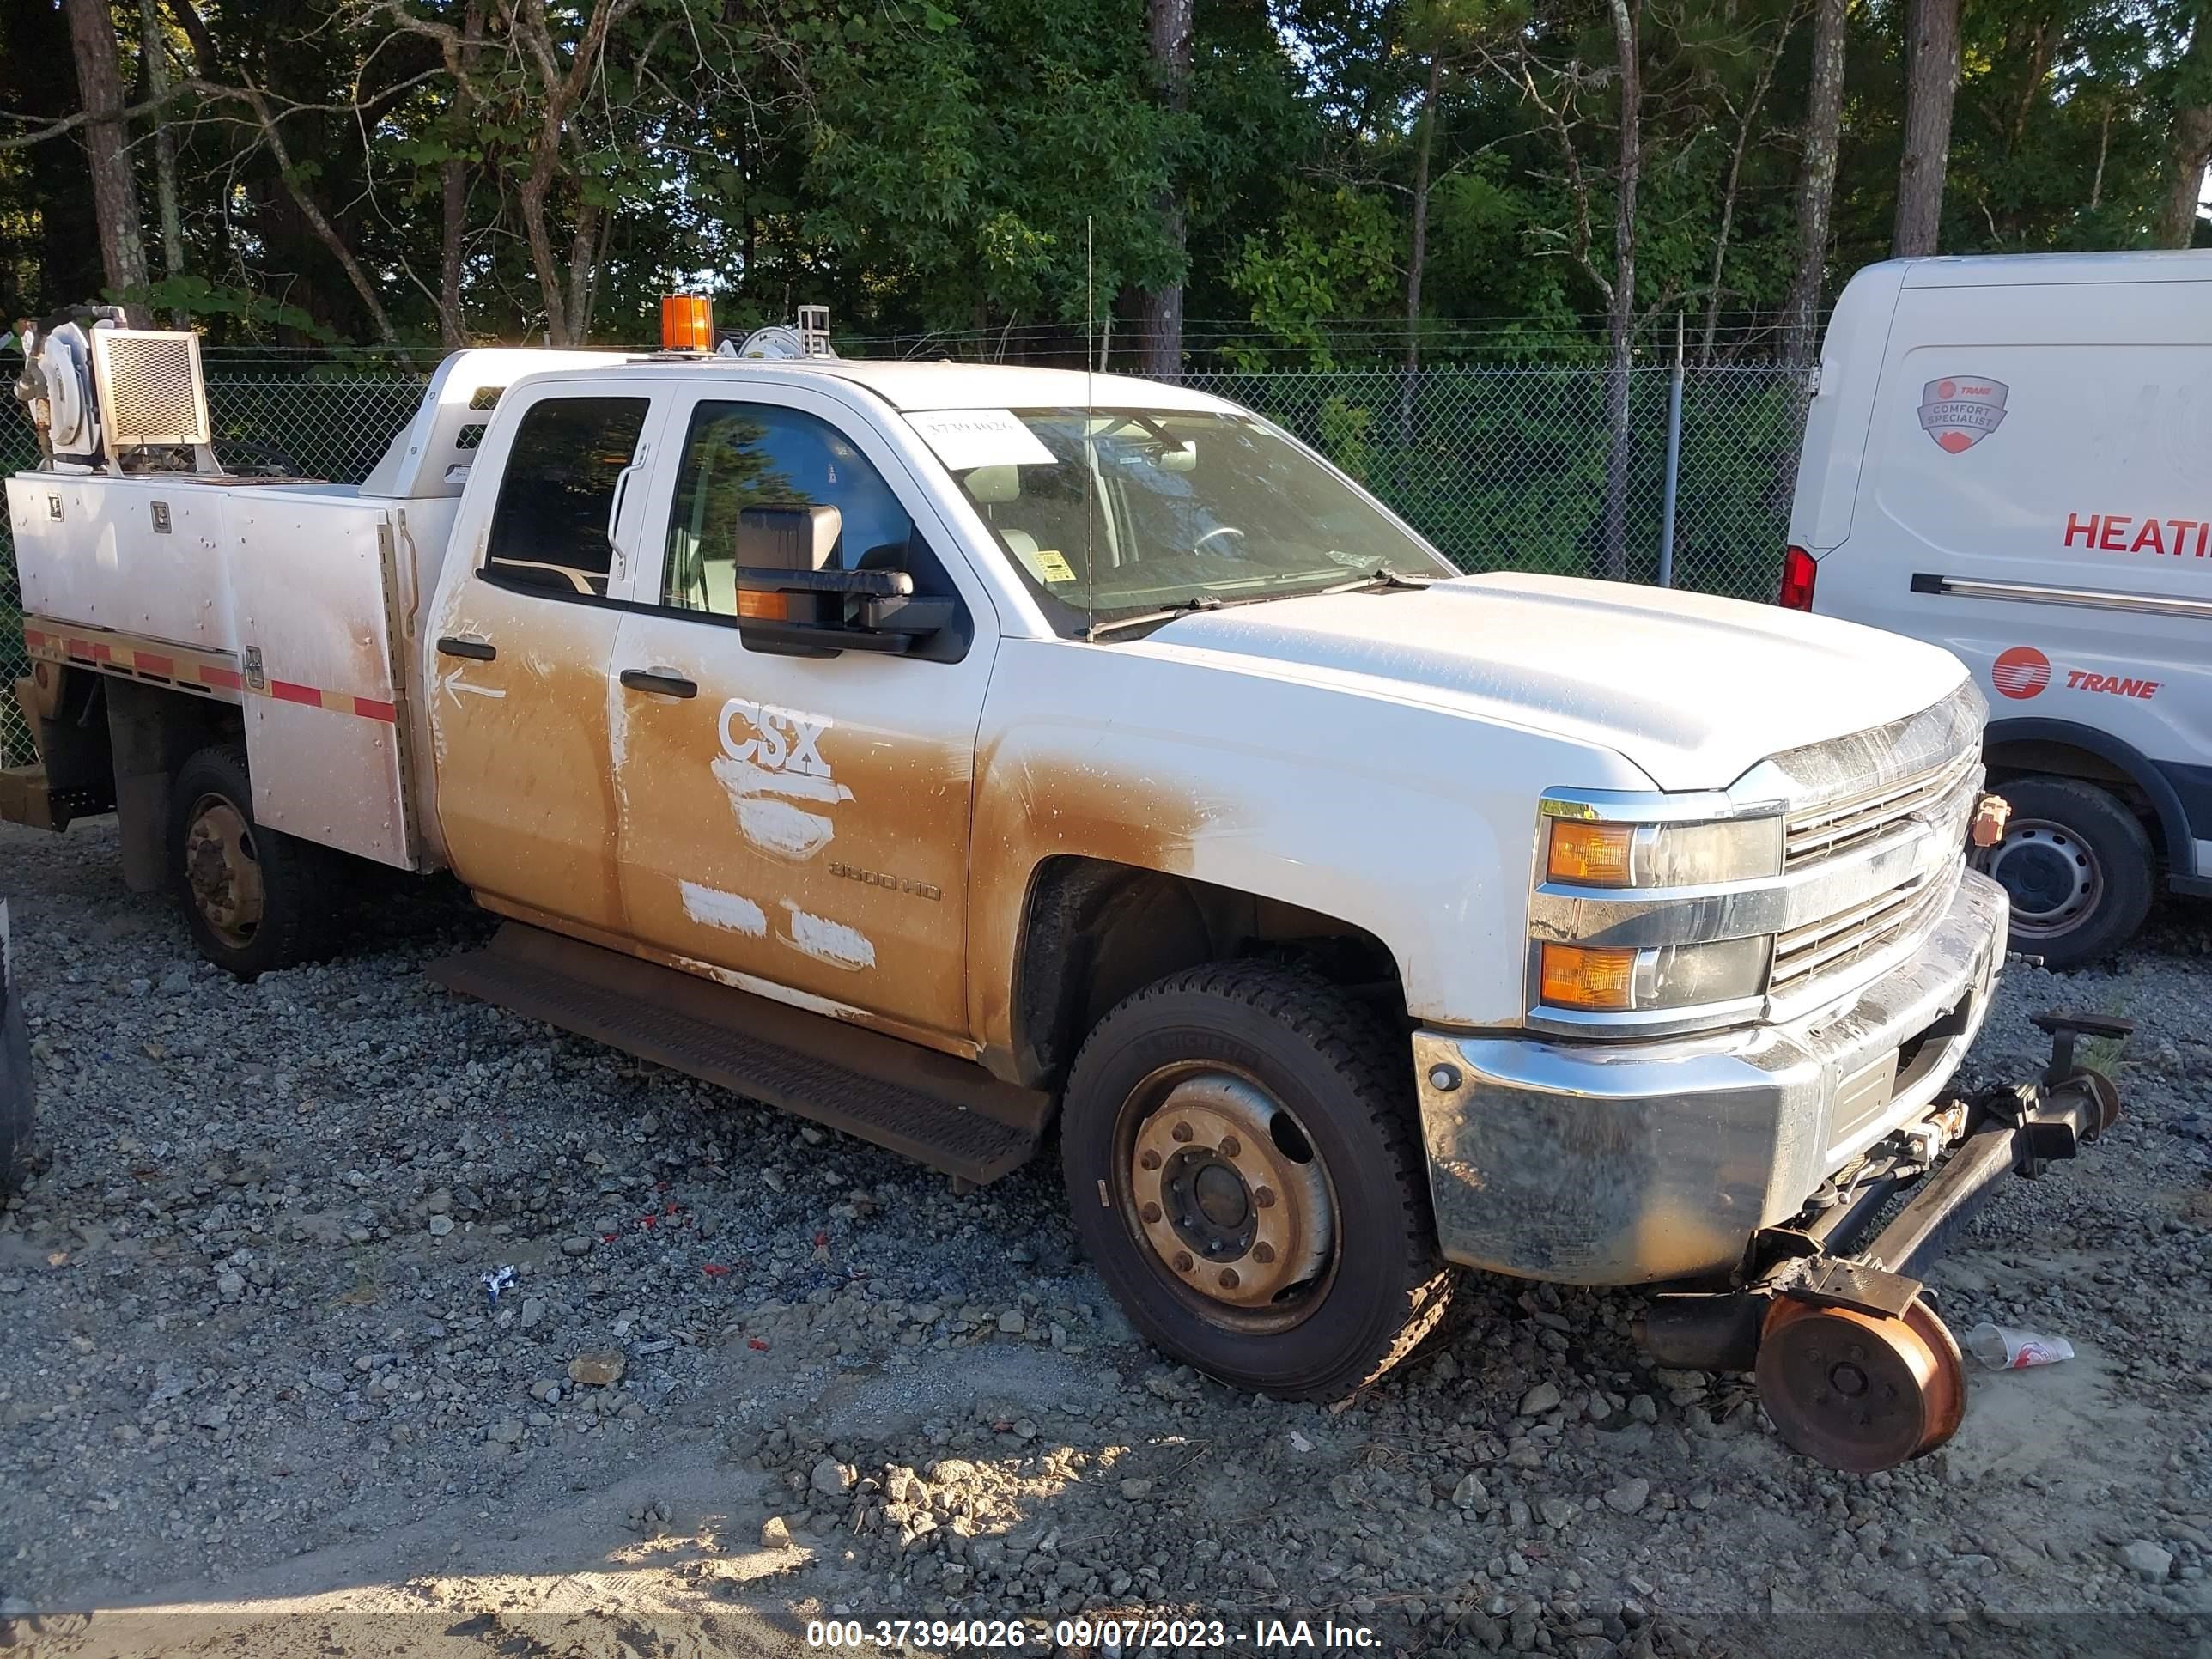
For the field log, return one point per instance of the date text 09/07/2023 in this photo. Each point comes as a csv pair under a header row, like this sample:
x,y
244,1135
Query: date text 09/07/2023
x,y
1125,1635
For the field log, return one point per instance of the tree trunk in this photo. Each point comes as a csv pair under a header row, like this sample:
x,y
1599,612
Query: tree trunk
x,y
1417,260
1422,150
453,202
2191,143
1931,46
1816,179
1620,309
1734,177
157,53
114,194
1159,311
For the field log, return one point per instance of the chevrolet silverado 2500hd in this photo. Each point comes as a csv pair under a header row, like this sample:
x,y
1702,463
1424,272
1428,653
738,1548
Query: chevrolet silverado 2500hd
x,y
938,749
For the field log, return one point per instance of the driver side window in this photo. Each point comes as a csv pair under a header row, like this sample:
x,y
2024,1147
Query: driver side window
x,y
741,457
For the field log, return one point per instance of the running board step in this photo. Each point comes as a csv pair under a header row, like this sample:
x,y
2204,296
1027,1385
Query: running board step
x,y
948,1114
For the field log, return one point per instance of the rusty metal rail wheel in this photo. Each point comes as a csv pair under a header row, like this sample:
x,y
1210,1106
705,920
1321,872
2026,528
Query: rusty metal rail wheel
x,y
1854,1364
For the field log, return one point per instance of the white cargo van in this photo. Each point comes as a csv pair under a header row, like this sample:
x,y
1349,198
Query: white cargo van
x,y
2012,457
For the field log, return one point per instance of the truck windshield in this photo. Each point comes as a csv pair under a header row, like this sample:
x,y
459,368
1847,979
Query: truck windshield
x,y
1110,514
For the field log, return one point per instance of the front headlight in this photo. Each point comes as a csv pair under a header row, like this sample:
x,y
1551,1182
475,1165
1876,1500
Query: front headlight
x,y
1627,906
1587,852
1601,980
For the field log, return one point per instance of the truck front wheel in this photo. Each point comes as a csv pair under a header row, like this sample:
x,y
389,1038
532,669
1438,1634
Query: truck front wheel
x,y
2077,866
255,900
1241,1159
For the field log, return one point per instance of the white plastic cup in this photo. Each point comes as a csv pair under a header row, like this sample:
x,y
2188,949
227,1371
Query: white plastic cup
x,y
2002,1348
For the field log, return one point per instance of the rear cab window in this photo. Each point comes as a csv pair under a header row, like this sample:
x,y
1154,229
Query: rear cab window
x,y
548,526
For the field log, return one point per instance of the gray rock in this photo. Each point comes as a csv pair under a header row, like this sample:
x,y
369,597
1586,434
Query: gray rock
x,y
576,1246
1471,1493
507,1432
230,1285
1134,1490
1629,1496
2149,1562
439,1225
832,1479
774,1534
328,1382
533,1309
1544,1397
1012,1322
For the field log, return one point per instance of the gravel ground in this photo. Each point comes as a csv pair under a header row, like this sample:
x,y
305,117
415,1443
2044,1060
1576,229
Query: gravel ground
x,y
741,1374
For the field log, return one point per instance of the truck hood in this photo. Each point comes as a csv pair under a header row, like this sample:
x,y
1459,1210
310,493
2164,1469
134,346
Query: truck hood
x,y
1694,690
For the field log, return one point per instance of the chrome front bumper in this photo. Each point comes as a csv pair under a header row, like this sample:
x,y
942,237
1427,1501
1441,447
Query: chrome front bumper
x,y
1626,1163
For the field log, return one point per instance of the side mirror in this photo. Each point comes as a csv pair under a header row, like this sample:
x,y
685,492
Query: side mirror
x,y
791,599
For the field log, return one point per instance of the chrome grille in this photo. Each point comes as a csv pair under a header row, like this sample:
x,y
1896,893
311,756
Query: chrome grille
x,y
1837,827
1851,936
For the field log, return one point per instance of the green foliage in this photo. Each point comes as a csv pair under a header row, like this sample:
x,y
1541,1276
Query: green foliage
x,y
964,166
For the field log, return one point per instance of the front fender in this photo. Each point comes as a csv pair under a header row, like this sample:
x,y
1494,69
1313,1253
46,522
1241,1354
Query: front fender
x,y
1414,824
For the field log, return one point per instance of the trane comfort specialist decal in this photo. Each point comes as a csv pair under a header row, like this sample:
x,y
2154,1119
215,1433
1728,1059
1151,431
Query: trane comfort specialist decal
x,y
1959,412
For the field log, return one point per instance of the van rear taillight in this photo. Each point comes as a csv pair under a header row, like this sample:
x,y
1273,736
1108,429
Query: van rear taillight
x,y
1797,573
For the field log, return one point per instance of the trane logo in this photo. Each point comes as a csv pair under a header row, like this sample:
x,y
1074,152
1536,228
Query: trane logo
x,y
2076,680
2021,672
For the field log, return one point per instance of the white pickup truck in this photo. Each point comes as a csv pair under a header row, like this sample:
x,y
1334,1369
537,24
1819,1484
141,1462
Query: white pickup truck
x,y
940,750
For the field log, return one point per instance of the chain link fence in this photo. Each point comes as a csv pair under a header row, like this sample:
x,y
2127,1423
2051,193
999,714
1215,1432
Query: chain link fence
x,y
1503,468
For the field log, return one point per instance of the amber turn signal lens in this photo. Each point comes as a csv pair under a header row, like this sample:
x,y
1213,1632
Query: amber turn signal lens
x,y
1589,854
687,323
1578,976
763,606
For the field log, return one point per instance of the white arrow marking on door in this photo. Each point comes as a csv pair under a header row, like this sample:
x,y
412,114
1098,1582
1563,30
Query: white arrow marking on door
x,y
455,685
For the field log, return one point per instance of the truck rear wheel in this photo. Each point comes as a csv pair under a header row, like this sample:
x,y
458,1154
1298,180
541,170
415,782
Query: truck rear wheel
x,y
1242,1163
2077,866
255,900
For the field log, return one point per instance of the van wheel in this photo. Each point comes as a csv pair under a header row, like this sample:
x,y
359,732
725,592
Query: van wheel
x,y
255,899
1241,1162
2078,867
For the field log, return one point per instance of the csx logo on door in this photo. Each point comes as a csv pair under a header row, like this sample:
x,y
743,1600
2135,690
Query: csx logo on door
x,y
774,739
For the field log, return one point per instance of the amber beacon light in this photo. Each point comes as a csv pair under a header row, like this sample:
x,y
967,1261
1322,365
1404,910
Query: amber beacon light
x,y
687,323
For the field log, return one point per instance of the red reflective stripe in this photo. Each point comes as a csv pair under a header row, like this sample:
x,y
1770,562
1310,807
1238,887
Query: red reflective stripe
x,y
226,677
147,664
288,692
370,708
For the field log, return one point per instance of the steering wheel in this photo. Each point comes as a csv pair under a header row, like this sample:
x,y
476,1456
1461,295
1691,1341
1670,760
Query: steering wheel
x,y
1218,530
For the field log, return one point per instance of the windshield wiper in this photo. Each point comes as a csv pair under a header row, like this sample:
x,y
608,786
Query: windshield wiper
x,y
1145,618
1383,577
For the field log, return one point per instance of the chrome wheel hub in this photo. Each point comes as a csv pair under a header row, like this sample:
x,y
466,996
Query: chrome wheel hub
x,y
1228,1193
222,871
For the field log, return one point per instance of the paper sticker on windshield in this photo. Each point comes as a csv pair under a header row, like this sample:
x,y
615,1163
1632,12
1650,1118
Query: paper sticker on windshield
x,y
965,438
1052,567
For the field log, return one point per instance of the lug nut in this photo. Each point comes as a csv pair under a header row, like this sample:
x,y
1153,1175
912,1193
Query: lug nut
x,y
1148,1159
1229,1278
1181,1132
1183,1262
1231,1146
1265,1197
1263,1252
1151,1212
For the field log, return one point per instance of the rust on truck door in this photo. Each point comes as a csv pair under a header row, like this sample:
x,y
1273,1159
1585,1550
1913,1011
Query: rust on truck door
x,y
800,819
518,671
